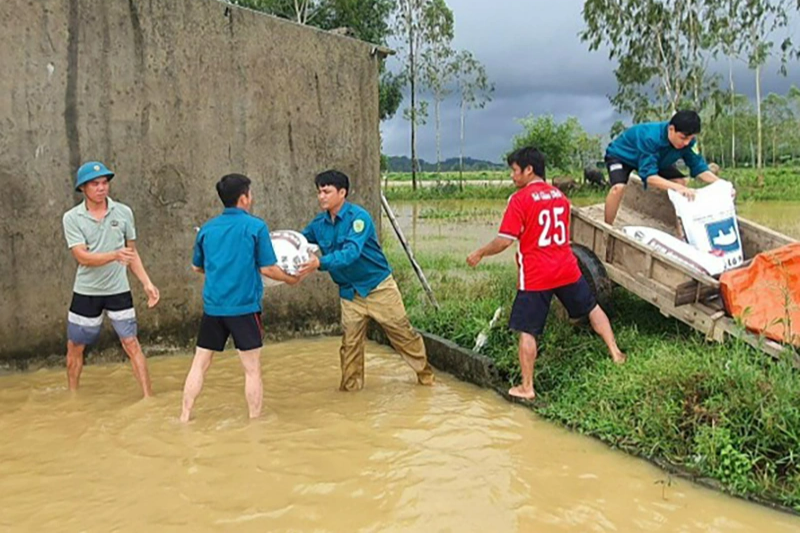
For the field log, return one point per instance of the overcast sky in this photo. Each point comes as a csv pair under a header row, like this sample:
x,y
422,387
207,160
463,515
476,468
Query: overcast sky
x,y
539,65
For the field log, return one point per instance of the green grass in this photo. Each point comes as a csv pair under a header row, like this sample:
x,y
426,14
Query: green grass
x,y
720,411
452,191
478,175
449,191
458,215
779,184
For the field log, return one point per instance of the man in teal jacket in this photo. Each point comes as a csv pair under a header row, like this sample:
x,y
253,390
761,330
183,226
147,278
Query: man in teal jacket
x,y
353,257
652,149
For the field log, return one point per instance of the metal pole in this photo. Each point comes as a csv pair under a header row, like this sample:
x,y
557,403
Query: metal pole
x,y
409,253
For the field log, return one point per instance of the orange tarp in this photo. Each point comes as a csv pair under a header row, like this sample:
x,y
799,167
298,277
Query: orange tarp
x,y
766,294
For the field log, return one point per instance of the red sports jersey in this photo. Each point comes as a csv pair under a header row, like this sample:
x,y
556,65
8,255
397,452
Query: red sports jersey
x,y
538,216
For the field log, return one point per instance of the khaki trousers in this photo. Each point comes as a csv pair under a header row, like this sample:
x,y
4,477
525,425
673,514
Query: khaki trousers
x,y
384,305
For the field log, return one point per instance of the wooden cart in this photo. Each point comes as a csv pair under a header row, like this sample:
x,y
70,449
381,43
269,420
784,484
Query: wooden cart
x,y
607,255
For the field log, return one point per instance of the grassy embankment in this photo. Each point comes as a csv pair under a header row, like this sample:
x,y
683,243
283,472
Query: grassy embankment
x,y
724,412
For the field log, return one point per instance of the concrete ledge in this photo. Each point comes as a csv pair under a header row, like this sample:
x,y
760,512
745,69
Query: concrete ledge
x,y
444,355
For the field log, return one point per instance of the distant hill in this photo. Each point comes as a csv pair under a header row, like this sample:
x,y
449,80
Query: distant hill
x,y
403,164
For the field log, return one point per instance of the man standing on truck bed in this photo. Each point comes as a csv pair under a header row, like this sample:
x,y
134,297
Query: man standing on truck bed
x,y
652,149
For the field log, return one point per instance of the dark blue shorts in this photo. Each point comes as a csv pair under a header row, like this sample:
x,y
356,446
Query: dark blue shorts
x,y
245,329
86,316
529,313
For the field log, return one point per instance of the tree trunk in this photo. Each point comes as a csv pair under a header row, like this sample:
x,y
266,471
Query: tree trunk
x,y
413,82
461,150
733,114
438,141
774,145
760,153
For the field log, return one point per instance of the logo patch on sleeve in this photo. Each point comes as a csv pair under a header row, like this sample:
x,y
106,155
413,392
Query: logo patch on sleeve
x,y
358,225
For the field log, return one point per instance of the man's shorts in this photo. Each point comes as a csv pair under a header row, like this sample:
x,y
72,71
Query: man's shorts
x,y
529,313
215,330
86,316
619,172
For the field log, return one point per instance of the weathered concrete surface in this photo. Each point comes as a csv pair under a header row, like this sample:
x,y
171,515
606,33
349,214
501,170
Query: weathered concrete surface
x,y
171,95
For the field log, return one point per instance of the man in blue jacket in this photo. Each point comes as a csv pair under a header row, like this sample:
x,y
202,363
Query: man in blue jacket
x,y
232,250
351,254
652,149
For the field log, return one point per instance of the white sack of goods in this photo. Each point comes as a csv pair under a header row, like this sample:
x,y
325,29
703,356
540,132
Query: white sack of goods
x,y
292,250
709,222
686,254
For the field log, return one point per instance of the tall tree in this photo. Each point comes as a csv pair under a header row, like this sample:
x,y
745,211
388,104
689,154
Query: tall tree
x,y
794,102
724,24
390,93
438,65
474,91
409,29
616,129
564,144
777,116
659,46
418,24
757,20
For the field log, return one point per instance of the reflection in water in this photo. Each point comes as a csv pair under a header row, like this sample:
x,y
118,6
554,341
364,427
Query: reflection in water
x,y
394,457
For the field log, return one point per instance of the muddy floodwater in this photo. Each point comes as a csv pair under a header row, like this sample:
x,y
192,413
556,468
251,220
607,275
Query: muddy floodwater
x,y
461,226
394,457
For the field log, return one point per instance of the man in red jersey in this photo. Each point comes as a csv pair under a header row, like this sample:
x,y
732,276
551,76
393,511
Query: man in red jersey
x,y
538,216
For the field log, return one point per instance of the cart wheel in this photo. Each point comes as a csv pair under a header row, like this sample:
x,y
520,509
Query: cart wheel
x,y
595,274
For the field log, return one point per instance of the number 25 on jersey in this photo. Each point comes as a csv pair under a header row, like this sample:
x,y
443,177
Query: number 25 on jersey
x,y
554,228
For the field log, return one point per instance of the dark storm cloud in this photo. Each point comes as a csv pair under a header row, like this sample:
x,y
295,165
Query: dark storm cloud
x,y
539,65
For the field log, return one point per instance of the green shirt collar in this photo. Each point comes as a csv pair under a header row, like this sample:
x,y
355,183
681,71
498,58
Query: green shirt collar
x,y
85,211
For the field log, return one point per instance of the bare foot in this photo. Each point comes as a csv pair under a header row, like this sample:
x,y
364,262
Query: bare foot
x,y
619,357
520,392
185,417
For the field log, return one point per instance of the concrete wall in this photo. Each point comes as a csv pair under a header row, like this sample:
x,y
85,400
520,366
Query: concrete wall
x,y
171,94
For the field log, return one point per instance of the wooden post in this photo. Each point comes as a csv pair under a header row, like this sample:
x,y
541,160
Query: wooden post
x,y
409,253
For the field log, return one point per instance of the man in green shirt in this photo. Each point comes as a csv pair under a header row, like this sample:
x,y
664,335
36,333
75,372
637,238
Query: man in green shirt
x,y
101,235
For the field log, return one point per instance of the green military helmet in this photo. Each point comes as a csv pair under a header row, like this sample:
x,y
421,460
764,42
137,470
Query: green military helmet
x,y
91,171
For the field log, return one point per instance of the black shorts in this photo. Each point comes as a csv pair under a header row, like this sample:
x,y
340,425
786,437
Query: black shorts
x,y
85,318
619,172
529,313
245,330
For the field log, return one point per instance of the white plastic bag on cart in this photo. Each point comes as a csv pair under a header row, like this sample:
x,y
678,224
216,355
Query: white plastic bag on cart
x,y
684,253
709,222
292,250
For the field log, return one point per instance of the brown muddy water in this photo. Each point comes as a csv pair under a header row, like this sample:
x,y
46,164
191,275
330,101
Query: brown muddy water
x,y
394,457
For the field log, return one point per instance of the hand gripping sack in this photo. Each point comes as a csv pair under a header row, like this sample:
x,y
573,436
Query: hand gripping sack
x,y
709,222
292,250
